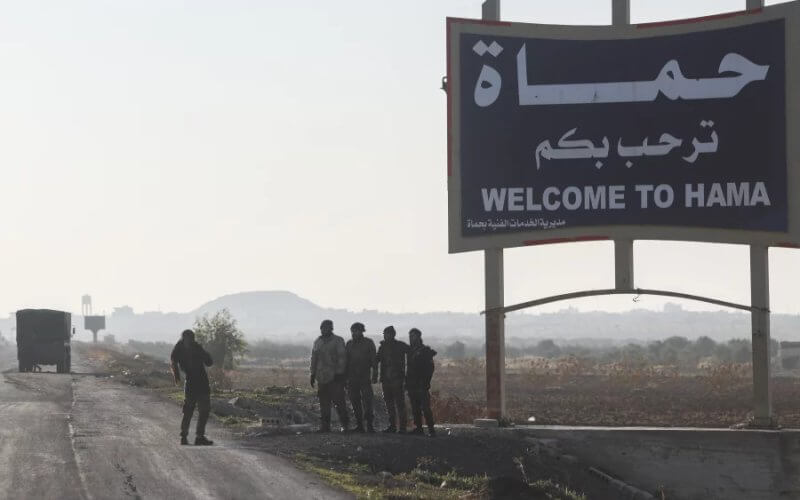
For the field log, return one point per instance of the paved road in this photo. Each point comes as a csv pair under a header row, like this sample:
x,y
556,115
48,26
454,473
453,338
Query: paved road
x,y
84,436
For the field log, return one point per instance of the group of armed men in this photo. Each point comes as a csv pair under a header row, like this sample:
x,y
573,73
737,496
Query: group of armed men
x,y
334,364
357,365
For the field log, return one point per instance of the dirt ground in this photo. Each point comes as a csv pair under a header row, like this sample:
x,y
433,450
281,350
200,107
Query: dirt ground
x,y
466,461
458,463
607,400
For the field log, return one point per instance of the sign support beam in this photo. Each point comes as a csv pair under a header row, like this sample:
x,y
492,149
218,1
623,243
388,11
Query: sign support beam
x,y
623,249
495,334
759,298
623,264
490,10
495,321
620,12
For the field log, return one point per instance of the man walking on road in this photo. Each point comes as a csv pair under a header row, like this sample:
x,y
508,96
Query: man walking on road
x,y
362,372
392,359
189,356
418,381
328,362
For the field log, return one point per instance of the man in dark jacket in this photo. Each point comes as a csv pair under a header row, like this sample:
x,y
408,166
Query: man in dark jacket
x,y
362,372
189,356
418,381
328,363
392,360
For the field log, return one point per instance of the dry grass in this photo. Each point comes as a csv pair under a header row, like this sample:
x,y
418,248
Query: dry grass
x,y
568,391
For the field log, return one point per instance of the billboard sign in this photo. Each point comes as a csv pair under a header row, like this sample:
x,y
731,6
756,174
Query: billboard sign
x,y
94,323
670,131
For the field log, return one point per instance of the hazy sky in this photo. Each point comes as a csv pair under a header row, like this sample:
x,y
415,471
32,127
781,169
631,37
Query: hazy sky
x,y
162,153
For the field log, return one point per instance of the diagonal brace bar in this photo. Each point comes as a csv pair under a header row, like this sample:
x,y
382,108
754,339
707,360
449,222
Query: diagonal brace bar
x,y
614,291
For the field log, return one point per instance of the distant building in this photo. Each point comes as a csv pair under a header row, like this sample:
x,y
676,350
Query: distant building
x,y
123,311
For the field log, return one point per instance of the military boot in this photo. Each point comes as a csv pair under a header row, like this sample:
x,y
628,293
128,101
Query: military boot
x,y
202,441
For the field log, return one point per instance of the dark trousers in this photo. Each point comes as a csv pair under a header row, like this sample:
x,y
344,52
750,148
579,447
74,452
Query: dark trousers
x,y
421,404
203,403
360,392
395,404
332,393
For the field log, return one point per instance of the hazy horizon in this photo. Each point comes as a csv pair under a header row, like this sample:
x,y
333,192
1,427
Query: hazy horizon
x,y
161,154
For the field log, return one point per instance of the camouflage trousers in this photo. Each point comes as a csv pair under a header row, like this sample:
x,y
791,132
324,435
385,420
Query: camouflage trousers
x,y
360,392
395,404
332,393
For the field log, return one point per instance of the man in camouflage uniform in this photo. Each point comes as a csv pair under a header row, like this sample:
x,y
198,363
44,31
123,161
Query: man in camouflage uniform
x,y
392,360
362,372
328,360
418,381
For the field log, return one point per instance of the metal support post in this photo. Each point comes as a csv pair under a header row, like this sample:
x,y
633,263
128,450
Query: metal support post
x,y
490,11
620,12
623,249
623,264
759,297
495,321
495,335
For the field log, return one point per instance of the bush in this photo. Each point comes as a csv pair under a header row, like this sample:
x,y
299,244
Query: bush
x,y
221,337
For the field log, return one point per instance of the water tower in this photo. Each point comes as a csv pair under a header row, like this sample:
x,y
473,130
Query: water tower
x,y
91,322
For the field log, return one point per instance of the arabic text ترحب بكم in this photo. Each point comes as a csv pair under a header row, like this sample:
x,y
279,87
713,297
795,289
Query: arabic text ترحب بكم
x,y
574,149
613,197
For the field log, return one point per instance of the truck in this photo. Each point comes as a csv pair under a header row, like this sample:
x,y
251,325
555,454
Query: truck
x,y
43,338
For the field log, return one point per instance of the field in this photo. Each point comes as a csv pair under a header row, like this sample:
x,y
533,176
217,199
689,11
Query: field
x,y
463,462
561,391
570,392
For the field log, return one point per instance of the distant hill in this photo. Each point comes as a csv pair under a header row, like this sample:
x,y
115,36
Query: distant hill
x,y
262,308
284,316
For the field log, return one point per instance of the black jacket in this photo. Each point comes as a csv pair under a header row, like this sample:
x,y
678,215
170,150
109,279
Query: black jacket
x,y
420,367
392,358
192,359
361,360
